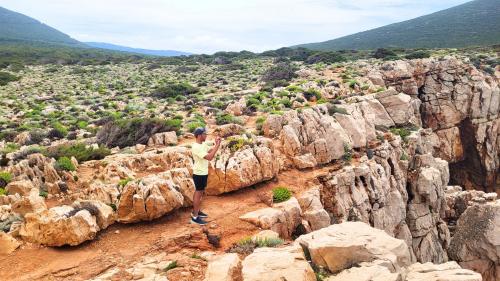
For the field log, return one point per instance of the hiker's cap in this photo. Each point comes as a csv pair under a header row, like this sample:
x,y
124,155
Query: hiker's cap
x,y
199,131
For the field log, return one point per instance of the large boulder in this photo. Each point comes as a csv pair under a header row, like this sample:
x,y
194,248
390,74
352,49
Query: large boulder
x,y
282,218
440,272
341,246
148,198
312,209
366,273
59,226
29,204
166,138
476,242
226,267
266,264
242,162
8,244
22,187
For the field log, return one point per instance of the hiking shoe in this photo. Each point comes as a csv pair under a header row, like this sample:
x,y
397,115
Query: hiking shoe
x,y
198,220
200,214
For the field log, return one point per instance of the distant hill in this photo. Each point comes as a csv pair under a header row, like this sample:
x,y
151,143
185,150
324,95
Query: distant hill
x,y
18,27
162,53
475,23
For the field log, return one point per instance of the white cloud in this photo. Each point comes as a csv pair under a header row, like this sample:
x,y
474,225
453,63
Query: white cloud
x,y
209,26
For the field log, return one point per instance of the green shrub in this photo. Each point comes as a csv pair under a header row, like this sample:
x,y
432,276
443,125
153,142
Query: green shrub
x,y
175,89
123,182
259,122
5,178
281,194
3,191
58,131
347,157
282,71
43,193
65,164
420,54
332,109
309,94
9,147
170,266
226,118
195,124
129,132
6,77
246,245
80,151
403,132
235,143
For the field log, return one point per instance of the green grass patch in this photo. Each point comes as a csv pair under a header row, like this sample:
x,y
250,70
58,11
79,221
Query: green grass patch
x,y
281,194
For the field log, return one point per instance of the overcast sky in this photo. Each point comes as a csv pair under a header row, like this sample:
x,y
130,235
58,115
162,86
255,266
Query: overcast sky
x,y
206,26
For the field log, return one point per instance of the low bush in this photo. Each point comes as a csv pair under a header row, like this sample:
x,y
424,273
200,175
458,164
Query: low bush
x,y
65,164
134,131
311,94
226,118
420,54
332,109
6,78
175,89
347,157
80,151
281,194
246,245
235,143
5,178
170,266
123,182
281,71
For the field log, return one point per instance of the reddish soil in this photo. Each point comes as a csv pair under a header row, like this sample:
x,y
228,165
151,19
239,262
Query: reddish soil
x,y
121,245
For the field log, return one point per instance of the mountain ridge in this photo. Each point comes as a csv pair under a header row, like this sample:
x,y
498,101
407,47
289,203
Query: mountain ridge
x,y
474,23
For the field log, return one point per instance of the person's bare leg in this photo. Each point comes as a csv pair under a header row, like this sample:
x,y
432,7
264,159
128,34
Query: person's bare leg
x,y
197,202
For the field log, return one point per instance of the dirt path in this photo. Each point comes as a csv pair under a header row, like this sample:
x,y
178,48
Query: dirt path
x,y
121,245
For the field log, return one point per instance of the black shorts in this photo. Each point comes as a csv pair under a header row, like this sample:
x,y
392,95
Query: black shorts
x,y
200,182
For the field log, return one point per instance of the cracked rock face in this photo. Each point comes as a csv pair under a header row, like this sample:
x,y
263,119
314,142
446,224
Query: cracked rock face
x,y
149,198
288,263
403,197
238,167
341,246
476,242
454,96
67,225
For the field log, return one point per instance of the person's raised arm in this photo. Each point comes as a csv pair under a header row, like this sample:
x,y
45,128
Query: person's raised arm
x,y
213,150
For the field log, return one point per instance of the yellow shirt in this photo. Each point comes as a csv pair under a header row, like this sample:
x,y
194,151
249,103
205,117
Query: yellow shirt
x,y
199,151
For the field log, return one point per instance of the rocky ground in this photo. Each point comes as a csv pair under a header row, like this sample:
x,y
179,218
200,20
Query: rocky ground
x,y
393,168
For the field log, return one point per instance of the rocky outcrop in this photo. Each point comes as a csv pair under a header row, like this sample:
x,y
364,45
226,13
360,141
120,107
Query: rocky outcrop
x,y
227,130
288,263
435,272
226,267
458,200
67,225
341,246
282,218
242,162
397,192
427,181
8,244
313,212
454,96
161,139
149,198
29,204
37,169
476,244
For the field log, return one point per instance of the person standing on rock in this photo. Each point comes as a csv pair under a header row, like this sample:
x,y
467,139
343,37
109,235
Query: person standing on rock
x,y
202,153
